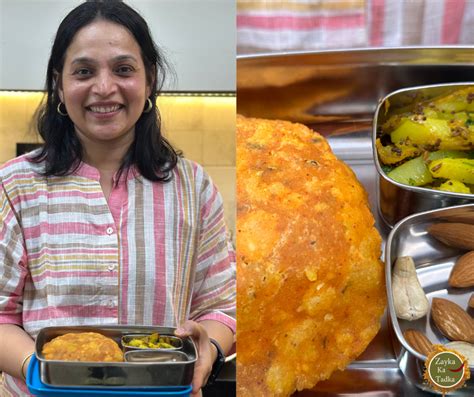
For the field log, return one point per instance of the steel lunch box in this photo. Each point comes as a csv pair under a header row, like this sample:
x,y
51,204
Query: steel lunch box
x,y
37,388
136,373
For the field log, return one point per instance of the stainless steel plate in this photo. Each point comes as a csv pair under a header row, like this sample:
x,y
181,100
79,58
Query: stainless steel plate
x,y
116,374
337,92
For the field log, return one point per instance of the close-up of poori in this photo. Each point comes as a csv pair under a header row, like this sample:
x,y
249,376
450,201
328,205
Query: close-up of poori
x,y
311,288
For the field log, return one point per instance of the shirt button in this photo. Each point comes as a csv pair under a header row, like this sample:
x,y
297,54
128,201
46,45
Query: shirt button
x,y
111,267
112,303
109,230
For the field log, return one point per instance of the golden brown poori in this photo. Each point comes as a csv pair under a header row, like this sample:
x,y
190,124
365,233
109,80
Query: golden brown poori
x,y
82,346
310,282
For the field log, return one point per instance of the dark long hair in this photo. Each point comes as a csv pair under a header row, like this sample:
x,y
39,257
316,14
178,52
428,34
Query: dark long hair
x,y
62,151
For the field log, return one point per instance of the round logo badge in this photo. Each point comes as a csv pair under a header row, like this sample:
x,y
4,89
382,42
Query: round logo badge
x,y
446,370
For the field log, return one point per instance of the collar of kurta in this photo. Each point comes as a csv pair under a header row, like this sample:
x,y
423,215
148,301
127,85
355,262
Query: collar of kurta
x,y
91,172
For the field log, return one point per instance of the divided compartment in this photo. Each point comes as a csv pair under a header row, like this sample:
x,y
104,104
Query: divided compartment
x,y
434,262
398,200
127,342
155,355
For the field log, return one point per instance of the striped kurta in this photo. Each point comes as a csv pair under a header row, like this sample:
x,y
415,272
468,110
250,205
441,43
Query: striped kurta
x,y
153,254
309,25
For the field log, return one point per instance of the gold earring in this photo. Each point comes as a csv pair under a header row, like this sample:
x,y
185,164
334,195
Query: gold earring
x,y
149,106
59,109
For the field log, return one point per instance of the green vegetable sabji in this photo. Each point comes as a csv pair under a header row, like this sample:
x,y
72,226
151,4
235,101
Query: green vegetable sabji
x,y
432,144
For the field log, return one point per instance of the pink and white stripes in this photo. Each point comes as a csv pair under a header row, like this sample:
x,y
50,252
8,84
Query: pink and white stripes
x,y
153,254
298,25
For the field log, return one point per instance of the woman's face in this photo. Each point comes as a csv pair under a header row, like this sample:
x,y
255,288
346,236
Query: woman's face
x,y
103,84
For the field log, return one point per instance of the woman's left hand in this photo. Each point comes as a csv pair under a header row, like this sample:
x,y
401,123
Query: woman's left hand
x,y
206,353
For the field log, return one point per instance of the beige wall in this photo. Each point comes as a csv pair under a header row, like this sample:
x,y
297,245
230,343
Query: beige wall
x,y
203,127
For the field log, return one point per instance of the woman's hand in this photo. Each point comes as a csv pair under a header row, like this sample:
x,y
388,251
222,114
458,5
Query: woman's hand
x,y
206,353
15,346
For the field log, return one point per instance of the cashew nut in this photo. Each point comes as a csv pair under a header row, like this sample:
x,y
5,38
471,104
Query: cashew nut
x,y
409,298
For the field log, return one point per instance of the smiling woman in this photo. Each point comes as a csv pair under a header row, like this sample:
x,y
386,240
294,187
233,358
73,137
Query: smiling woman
x,y
103,84
104,89
107,224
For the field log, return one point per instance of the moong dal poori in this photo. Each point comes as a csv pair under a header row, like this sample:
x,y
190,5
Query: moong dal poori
x,y
311,288
83,346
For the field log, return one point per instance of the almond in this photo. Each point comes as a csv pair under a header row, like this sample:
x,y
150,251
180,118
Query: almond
x,y
452,320
462,274
457,235
418,340
471,301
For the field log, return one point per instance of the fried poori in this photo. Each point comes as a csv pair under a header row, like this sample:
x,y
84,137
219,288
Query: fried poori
x,y
83,346
310,283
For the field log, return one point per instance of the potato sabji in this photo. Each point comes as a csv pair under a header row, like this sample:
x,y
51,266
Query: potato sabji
x,y
431,143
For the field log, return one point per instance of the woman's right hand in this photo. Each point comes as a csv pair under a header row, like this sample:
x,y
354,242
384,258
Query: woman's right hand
x,y
206,355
